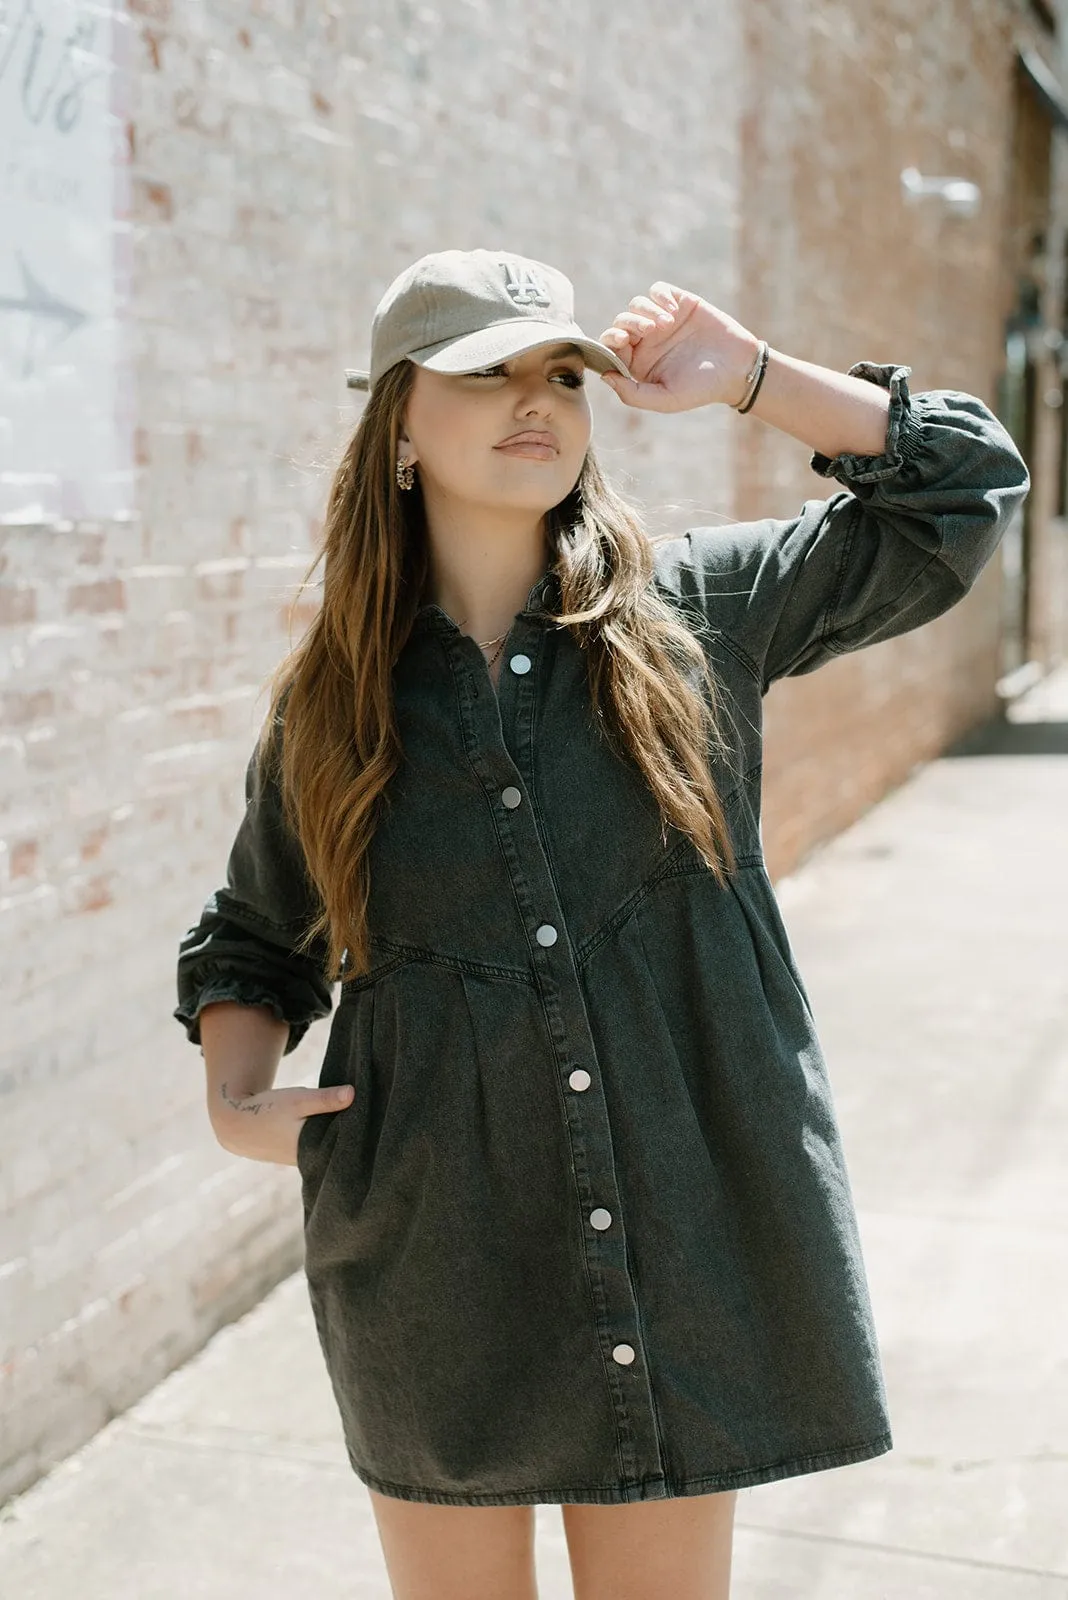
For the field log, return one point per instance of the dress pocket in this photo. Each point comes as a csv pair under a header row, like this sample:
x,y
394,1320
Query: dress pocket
x,y
347,1060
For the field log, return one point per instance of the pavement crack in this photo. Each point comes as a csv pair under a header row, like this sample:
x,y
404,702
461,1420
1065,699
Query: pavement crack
x,y
903,1551
236,1441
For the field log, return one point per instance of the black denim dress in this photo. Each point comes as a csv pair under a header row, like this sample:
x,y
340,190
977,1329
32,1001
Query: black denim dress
x,y
585,1233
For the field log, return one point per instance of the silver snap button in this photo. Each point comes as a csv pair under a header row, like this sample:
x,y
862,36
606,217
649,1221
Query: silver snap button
x,y
511,797
520,664
546,934
579,1079
624,1354
600,1219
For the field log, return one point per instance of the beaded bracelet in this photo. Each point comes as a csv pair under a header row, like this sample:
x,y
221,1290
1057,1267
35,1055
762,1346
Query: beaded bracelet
x,y
754,379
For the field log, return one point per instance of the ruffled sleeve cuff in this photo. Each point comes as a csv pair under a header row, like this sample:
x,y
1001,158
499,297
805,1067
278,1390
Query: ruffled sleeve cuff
x,y
903,430
241,993
221,960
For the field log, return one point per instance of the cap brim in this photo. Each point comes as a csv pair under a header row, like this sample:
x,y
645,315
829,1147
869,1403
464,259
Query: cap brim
x,y
487,346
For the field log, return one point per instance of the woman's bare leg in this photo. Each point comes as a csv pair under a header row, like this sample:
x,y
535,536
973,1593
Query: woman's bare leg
x,y
456,1552
677,1549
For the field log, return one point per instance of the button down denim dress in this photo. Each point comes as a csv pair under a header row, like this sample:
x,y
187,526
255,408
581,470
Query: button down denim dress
x,y
585,1232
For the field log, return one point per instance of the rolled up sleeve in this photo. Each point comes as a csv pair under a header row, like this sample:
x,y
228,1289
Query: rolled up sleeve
x,y
245,946
900,543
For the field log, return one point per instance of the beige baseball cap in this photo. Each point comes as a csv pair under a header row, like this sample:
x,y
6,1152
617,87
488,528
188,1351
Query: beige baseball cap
x,y
460,310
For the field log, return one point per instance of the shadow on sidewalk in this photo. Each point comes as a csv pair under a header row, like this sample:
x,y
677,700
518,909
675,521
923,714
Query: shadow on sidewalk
x,y
1004,738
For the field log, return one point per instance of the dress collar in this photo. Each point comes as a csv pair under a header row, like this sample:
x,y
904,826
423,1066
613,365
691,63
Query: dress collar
x,y
545,594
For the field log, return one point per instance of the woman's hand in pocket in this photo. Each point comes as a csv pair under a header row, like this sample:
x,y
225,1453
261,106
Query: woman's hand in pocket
x,y
266,1126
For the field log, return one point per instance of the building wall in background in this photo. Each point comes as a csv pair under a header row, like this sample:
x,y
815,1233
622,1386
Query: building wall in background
x,y
65,416
1036,306
836,266
283,162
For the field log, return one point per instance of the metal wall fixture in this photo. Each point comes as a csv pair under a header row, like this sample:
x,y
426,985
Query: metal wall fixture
x,y
959,196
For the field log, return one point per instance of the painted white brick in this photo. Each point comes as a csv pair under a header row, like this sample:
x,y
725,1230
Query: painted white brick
x,y
264,228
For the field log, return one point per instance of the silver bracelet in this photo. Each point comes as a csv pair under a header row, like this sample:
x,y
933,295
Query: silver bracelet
x,y
754,378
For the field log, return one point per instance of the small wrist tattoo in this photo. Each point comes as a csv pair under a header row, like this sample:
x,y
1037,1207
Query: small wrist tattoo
x,y
238,1105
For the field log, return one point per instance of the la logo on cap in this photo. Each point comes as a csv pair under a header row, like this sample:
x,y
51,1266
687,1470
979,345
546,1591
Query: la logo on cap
x,y
523,285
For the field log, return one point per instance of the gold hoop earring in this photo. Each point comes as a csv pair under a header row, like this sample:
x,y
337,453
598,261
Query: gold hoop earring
x,y
405,474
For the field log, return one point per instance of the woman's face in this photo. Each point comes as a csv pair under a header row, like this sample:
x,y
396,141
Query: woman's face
x,y
457,427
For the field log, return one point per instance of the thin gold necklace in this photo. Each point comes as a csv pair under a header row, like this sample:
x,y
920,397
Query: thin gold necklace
x,y
500,646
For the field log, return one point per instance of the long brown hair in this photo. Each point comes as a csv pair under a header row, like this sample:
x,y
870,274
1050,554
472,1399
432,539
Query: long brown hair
x,y
332,700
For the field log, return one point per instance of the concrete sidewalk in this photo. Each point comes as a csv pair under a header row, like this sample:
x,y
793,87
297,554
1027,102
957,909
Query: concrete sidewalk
x,y
932,936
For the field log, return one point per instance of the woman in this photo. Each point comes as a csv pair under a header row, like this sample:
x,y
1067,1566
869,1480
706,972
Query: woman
x,y
578,1227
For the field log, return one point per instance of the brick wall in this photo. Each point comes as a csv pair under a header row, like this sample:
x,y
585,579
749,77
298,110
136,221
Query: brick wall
x,y
835,267
284,162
